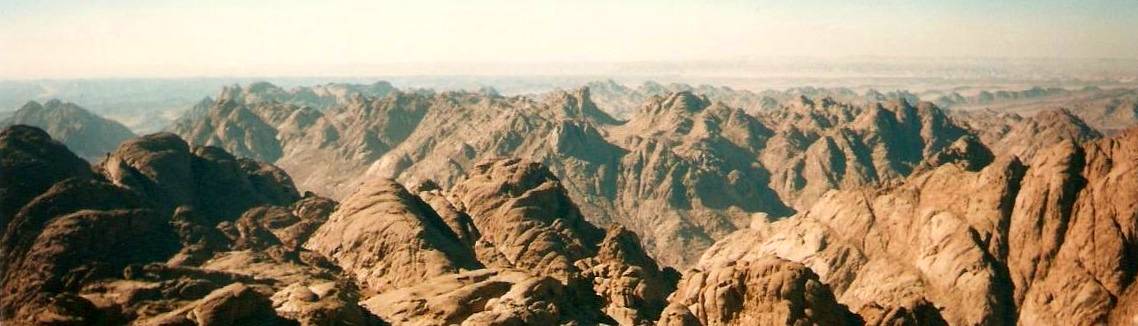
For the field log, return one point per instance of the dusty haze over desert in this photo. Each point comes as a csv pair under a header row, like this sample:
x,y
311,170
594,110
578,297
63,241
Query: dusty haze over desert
x,y
588,162
123,38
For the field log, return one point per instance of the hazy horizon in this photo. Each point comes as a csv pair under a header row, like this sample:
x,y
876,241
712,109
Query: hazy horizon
x,y
172,39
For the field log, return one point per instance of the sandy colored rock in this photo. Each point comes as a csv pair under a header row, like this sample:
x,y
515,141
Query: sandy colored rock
x,y
631,286
480,297
524,212
768,291
1075,264
389,238
690,166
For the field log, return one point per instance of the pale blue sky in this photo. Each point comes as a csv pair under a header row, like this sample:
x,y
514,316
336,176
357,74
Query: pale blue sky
x,y
109,38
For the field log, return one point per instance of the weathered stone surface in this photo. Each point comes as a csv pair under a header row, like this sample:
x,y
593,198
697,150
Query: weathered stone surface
x,y
1043,243
631,286
73,250
218,185
768,291
72,247
1073,233
32,162
480,297
524,212
389,238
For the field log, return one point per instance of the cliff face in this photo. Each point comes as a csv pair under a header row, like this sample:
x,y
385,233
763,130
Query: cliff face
x,y
1041,242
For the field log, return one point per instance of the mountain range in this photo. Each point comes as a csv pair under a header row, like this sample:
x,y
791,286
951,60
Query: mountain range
x,y
682,171
370,205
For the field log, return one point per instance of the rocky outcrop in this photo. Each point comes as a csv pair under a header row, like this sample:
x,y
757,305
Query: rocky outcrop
x,y
1071,234
152,232
213,181
939,237
76,229
1036,243
87,134
389,238
32,162
768,291
521,208
632,288
73,250
234,304
481,297
505,245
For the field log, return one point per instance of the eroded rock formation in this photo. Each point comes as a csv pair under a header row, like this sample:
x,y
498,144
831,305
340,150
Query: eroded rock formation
x,y
1037,243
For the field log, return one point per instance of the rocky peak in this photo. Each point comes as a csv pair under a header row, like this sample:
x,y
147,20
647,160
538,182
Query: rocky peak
x,y
632,288
579,104
389,238
1069,122
1012,134
158,164
525,213
166,168
966,151
685,101
620,244
86,133
32,106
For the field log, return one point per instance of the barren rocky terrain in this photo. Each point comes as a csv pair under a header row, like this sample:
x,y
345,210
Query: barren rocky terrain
x,y
683,170
371,205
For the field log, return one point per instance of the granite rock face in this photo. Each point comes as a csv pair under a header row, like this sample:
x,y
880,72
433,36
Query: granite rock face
x,y
631,286
506,245
768,291
521,208
1044,242
389,238
1071,238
